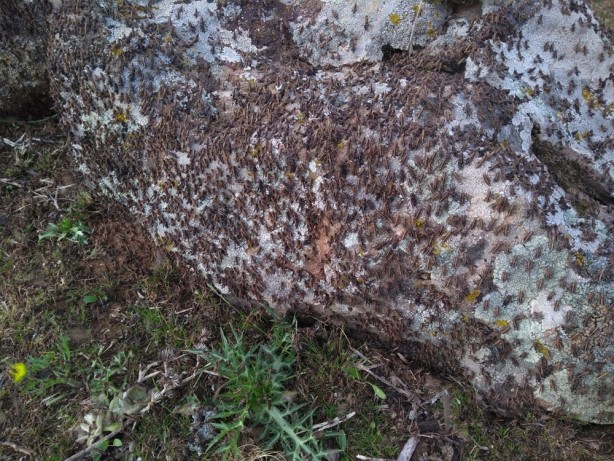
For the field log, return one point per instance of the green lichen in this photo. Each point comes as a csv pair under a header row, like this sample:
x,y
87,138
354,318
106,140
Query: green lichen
x,y
395,19
439,248
473,296
541,348
591,98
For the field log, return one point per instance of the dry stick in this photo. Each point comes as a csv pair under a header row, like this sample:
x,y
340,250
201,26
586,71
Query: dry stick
x,y
413,27
142,377
408,449
405,392
368,458
10,183
25,451
447,410
335,422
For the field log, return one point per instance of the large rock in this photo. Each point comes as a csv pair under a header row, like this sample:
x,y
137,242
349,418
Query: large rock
x,y
24,83
439,174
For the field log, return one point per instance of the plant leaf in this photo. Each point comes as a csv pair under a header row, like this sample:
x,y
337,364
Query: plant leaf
x,y
378,391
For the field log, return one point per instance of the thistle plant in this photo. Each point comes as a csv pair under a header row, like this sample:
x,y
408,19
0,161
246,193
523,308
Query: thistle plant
x,y
255,395
66,229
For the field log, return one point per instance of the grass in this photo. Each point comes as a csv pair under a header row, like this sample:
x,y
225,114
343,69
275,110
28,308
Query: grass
x,y
604,11
256,394
109,328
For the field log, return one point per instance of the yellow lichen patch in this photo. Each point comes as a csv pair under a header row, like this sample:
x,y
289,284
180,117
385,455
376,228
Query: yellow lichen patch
x,y
579,259
539,347
439,248
417,8
343,282
581,135
473,296
431,32
341,145
300,118
121,116
254,151
502,323
116,50
395,19
360,280
590,98
170,246
420,222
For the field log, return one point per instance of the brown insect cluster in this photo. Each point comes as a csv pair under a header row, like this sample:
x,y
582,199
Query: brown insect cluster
x,y
399,195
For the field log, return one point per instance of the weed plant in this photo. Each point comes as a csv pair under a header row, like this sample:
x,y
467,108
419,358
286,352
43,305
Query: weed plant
x,y
66,229
256,395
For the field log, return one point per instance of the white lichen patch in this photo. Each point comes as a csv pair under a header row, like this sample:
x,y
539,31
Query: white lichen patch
x,y
574,402
530,300
362,27
570,223
137,116
183,158
565,77
473,183
520,271
351,240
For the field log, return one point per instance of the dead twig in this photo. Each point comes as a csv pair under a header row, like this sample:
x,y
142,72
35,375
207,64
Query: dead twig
x,y
142,372
417,11
18,449
334,422
405,392
408,449
368,458
447,410
10,183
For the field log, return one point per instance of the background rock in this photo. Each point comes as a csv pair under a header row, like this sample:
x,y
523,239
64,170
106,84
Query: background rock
x,y
24,87
456,201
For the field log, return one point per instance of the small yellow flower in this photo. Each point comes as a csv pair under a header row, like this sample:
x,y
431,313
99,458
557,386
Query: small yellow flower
x,y
18,371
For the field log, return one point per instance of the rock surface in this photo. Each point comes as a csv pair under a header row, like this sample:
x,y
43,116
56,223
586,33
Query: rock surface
x,y
439,174
24,83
